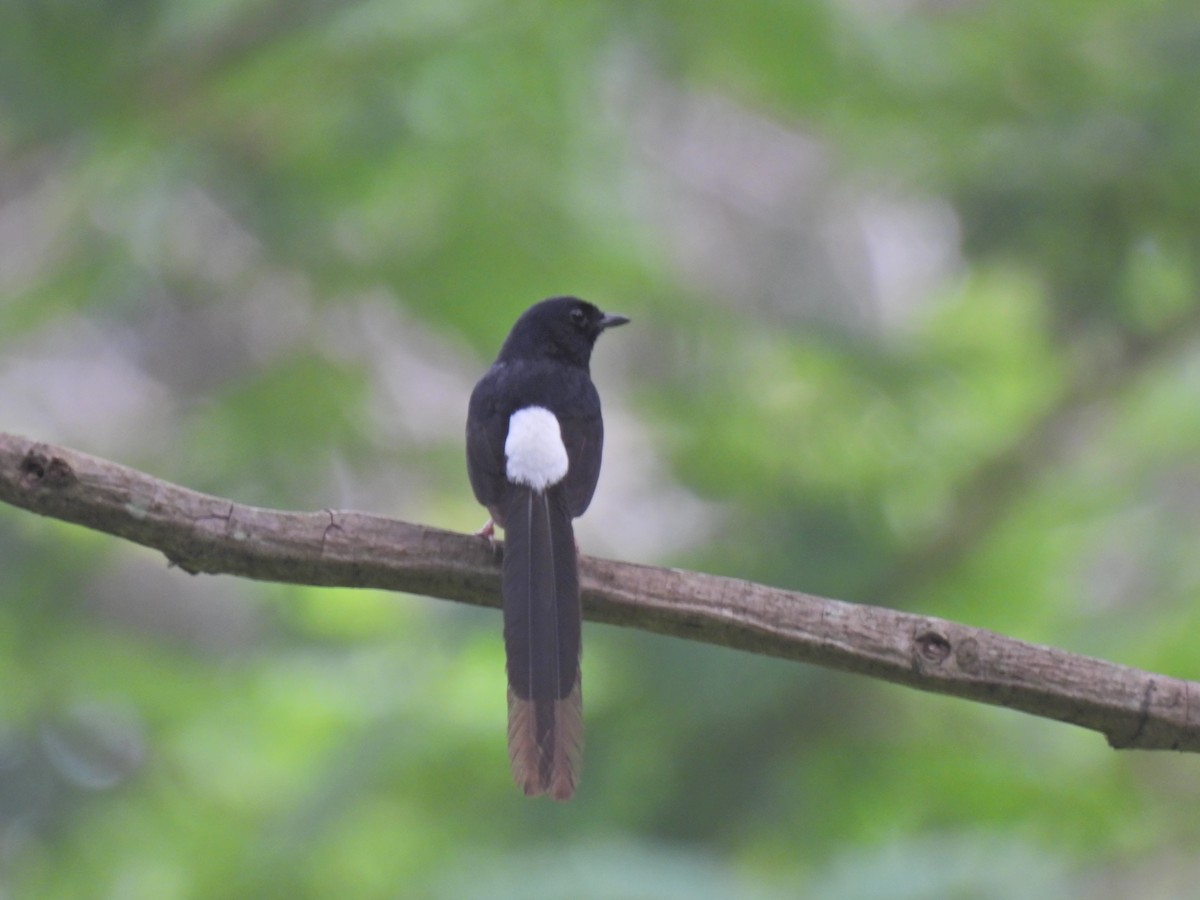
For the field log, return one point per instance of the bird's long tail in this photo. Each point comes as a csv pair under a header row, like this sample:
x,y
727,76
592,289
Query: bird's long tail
x,y
542,624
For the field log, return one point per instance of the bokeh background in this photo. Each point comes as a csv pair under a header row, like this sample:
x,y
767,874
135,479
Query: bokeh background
x,y
914,291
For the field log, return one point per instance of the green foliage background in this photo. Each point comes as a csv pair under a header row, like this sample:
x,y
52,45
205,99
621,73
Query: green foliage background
x,y
914,288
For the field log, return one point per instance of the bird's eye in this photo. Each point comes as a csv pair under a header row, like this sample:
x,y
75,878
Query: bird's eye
x,y
578,316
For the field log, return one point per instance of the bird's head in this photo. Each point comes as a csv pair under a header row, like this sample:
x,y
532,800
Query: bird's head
x,y
563,328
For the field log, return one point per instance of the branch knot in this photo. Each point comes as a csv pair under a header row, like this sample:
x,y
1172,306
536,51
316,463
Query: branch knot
x,y
931,647
39,469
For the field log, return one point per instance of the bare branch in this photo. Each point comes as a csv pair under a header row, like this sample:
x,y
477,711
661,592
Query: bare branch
x,y
201,533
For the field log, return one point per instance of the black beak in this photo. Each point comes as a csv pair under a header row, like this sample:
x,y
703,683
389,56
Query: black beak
x,y
612,320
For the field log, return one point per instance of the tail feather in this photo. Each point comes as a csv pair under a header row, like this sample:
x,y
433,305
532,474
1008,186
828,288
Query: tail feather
x,y
546,760
542,625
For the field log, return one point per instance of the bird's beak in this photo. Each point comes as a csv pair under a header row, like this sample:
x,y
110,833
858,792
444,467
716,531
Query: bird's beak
x,y
612,320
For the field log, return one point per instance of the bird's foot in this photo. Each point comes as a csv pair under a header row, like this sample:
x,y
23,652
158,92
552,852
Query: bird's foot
x,y
488,533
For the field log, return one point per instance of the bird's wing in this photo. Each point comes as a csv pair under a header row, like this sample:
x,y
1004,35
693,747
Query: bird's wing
x,y
584,440
487,429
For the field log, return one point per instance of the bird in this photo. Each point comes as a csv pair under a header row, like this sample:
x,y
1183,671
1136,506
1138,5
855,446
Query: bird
x,y
535,436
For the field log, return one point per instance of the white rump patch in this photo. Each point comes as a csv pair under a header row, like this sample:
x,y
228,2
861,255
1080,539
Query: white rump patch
x,y
534,452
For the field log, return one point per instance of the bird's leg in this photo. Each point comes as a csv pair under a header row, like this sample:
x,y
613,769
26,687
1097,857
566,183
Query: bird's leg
x,y
488,533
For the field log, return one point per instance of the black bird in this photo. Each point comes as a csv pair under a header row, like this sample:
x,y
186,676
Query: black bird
x,y
534,440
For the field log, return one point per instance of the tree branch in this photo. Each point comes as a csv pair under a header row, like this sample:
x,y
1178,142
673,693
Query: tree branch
x,y
201,533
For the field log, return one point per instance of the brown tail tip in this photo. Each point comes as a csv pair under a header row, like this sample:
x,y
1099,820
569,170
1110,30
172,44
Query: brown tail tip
x,y
545,744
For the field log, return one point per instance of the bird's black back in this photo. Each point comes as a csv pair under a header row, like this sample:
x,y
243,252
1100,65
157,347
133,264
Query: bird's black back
x,y
544,362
